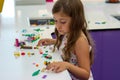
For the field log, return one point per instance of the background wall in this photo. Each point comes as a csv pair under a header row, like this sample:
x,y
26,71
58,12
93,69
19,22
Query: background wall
x,y
34,2
29,2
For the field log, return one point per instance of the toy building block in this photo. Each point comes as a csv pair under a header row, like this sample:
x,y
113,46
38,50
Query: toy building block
x,y
44,76
38,30
22,43
36,73
41,52
46,63
48,56
16,54
28,53
22,53
29,35
36,47
43,69
26,47
37,65
16,42
32,53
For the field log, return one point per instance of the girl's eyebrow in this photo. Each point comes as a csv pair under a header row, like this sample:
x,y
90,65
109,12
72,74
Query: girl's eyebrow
x,y
60,19
63,18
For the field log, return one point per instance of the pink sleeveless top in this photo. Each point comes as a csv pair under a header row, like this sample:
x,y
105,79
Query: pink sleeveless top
x,y
73,59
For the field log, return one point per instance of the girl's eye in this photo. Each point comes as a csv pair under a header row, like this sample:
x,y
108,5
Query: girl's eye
x,y
62,22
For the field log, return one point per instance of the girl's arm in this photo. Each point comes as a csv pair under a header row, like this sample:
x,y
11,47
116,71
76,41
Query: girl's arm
x,y
53,41
81,71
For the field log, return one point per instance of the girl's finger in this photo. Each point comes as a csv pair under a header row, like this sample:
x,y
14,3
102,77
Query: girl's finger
x,y
39,43
59,70
56,68
49,66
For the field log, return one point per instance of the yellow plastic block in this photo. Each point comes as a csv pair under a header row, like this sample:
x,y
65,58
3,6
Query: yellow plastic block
x,y
1,5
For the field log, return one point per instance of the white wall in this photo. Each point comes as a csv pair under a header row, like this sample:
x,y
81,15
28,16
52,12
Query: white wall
x,y
34,2
29,2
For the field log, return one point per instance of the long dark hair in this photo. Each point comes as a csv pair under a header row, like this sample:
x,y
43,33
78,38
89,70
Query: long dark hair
x,y
74,9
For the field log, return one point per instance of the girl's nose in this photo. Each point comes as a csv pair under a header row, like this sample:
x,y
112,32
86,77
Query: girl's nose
x,y
58,25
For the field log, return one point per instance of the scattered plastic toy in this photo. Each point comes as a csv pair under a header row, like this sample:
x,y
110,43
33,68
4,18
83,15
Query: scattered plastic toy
x,y
36,47
46,63
23,53
36,73
47,56
37,65
44,76
16,54
28,53
38,30
26,47
24,30
43,69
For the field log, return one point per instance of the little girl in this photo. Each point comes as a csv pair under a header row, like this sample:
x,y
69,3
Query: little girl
x,y
73,41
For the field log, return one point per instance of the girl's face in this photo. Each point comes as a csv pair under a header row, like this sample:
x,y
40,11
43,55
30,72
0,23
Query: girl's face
x,y
62,23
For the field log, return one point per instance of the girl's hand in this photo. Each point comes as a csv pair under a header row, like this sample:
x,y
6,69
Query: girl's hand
x,y
57,66
45,41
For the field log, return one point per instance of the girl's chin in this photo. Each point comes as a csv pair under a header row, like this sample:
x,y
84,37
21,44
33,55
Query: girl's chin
x,y
61,33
